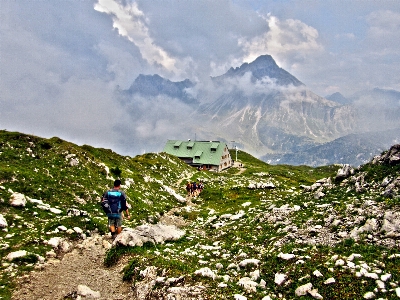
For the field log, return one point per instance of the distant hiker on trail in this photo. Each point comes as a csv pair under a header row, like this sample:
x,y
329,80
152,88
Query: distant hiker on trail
x,y
113,204
189,188
194,188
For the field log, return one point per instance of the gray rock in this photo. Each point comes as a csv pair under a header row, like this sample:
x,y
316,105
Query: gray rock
x,y
87,292
391,157
303,289
16,254
248,285
369,295
3,222
280,278
153,233
206,272
330,280
370,225
314,293
391,222
143,288
18,200
344,172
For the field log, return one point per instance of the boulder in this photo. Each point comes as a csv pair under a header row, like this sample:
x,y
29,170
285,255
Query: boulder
x,y
391,222
249,261
3,222
303,289
344,172
18,200
153,233
248,285
280,278
205,272
87,292
55,242
392,157
16,254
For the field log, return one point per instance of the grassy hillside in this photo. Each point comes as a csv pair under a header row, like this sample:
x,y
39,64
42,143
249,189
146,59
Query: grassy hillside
x,y
234,219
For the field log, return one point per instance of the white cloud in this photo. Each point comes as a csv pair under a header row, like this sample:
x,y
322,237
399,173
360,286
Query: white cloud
x,y
349,36
285,39
384,31
130,22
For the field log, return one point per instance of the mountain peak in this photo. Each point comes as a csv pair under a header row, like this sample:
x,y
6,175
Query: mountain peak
x,y
339,98
263,66
154,85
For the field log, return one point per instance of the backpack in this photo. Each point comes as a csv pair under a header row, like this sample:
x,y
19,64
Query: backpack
x,y
112,204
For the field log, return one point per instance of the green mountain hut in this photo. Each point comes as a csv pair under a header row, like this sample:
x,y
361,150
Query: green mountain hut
x,y
205,155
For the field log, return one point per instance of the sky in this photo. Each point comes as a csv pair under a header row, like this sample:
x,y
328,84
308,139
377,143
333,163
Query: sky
x,y
61,61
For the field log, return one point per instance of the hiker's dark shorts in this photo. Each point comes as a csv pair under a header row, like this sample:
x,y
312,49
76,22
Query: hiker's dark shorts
x,y
116,222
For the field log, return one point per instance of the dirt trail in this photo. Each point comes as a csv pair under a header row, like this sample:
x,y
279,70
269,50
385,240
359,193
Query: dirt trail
x,y
79,267
84,266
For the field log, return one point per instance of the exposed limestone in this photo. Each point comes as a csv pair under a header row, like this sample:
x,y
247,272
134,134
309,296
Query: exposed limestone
x,y
206,272
249,261
153,233
248,285
330,280
280,278
314,293
391,157
18,200
3,221
344,172
16,254
369,295
144,287
303,289
286,256
87,292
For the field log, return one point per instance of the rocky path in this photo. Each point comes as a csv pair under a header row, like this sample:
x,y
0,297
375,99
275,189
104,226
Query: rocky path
x,y
82,266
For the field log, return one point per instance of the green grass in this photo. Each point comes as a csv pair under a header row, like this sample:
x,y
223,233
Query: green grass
x,y
45,173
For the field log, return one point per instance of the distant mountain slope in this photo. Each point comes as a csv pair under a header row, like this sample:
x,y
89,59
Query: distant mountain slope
x,y
353,149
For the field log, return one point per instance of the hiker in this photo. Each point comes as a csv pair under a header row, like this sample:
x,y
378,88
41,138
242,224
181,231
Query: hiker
x,y
116,200
194,188
201,186
189,188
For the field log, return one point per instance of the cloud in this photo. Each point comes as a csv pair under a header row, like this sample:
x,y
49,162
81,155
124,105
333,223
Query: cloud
x,y
384,31
185,39
130,22
287,40
348,36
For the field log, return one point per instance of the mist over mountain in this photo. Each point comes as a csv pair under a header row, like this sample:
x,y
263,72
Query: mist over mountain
x,y
353,149
262,109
